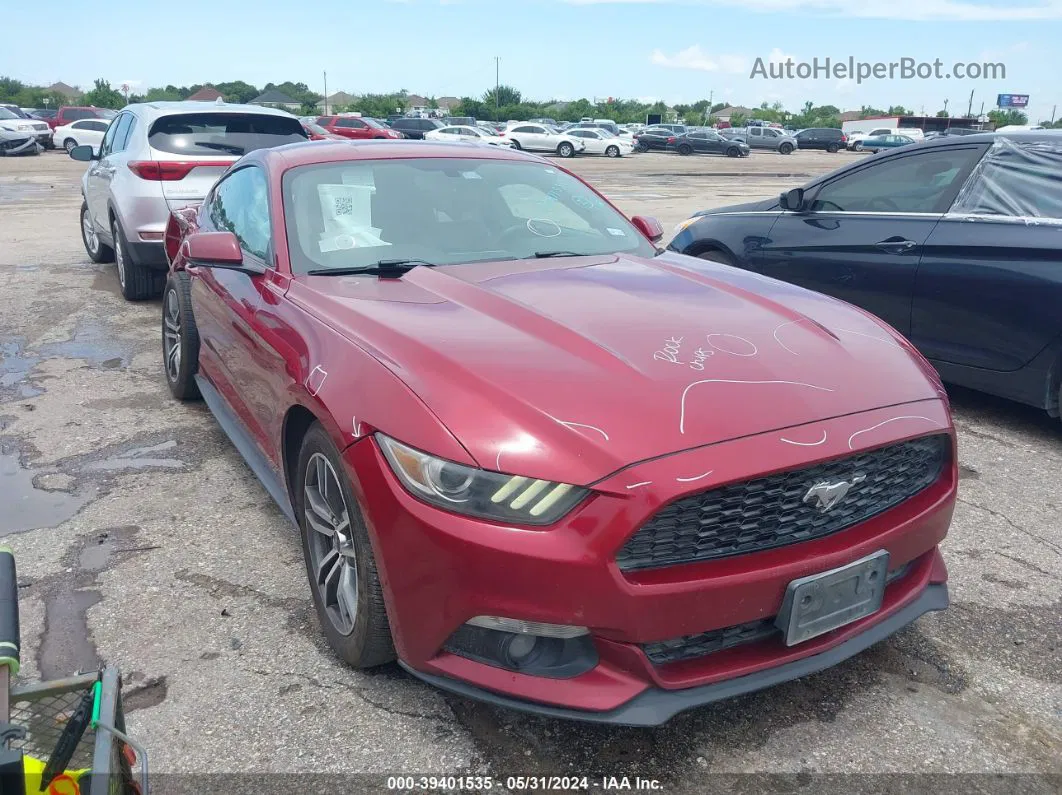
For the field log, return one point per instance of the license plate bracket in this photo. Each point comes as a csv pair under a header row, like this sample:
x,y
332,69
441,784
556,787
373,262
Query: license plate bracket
x,y
819,603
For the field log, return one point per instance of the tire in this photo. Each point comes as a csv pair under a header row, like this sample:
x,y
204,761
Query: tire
x,y
685,150
832,148
367,642
612,151
565,149
640,147
733,152
97,250
714,255
516,144
180,338
786,149
138,283
69,144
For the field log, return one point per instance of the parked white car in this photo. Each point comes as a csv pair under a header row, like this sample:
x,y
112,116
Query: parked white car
x,y
463,132
601,142
83,132
539,138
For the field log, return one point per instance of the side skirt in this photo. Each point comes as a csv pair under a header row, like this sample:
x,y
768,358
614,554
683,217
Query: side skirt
x,y
246,446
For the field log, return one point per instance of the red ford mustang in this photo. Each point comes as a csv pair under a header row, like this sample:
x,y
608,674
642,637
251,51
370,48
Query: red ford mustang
x,y
539,460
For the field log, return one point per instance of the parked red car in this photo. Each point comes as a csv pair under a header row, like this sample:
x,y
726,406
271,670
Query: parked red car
x,y
357,127
315,132
540,460
68,114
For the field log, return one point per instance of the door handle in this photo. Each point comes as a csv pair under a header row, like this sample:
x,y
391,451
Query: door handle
x,y
894,246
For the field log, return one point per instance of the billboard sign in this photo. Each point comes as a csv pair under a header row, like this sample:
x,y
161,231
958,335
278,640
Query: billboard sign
x,y
1012,101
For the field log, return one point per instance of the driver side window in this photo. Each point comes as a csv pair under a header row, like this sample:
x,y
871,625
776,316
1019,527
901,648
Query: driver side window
x,y
921,183
240,205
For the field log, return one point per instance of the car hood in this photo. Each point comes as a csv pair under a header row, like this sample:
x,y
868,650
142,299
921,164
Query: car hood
x,y
570,369
749,207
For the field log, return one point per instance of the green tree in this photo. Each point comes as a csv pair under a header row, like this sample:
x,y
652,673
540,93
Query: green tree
x,y
738,120
1001,118
942,114
506,95
868,111
237,91
103,96
899,110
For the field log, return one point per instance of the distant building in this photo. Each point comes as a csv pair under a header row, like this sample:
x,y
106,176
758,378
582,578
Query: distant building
x,y
340,99
206,94
276,99
850,115
725,114
69,92
448,103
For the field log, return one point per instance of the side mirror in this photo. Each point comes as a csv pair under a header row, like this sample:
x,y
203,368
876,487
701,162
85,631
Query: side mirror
x,y
649,226
214,250
792,200
84,153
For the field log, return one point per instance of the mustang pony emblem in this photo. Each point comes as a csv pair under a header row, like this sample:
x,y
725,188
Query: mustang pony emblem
x,y
826,495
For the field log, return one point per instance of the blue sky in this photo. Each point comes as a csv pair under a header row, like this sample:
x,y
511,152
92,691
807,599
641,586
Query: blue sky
x,y
675,50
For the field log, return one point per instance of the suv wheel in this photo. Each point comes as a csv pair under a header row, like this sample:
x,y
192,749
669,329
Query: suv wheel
x,y
565,149
786,149
96,249
833,148
138,283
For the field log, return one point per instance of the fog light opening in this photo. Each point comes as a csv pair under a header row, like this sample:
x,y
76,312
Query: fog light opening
x,y
550,650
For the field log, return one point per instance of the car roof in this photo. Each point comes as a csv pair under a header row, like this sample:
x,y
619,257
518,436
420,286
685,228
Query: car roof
x,y
154,110
283,158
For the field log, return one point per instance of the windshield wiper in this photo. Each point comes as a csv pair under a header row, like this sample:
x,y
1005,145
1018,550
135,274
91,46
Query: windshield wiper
x,y
231,148
385,267
548,254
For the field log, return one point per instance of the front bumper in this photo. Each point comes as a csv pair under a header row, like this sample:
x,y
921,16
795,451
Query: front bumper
x,y
438,570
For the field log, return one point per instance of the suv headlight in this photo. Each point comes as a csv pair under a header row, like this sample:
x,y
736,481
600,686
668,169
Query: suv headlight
x,y
479,492
24,127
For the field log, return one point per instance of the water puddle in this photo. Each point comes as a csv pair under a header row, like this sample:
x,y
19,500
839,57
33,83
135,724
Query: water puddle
x,y
15,368
26,507
92,343
139,458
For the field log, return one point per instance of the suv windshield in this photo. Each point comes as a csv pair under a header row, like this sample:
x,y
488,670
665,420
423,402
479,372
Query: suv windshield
x,y
223,133
445,211
7,115
17,111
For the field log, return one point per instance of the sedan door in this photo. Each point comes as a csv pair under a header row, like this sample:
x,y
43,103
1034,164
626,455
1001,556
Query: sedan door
x,y
989,288
862,232
225,300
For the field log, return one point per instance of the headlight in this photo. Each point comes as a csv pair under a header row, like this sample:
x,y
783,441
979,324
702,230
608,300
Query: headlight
x,y
680,226
479,492
24,127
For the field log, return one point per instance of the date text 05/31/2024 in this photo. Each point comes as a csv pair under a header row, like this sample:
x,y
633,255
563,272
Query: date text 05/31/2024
x,y
523,783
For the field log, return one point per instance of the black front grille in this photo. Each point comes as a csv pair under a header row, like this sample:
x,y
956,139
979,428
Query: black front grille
x,y
770,512
690,646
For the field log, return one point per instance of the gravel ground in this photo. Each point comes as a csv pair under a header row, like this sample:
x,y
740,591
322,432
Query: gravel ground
x,y
157,550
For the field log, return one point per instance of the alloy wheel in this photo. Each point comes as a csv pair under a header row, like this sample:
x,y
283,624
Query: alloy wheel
x,y
119,255
171,336
331,543
88,232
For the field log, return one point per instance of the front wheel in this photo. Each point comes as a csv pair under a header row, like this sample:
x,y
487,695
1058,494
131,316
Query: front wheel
x,y
733,152
833,148
786,149
180,338
612,151
714,255
858,146
69,144
339,557
640,147
566,150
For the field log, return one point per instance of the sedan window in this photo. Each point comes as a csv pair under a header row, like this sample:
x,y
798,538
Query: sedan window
x,y
445,211
240,205
1019,181
919,183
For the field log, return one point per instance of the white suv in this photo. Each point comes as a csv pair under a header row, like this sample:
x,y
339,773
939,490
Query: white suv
x,y
540,138
156,158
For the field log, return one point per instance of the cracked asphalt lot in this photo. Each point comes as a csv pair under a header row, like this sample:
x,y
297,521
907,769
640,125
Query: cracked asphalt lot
x,y
142,539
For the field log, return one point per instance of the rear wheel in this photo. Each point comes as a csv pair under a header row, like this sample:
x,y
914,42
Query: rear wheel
x,y
640,147
69,144
833,148
612,151
97,251
339,557
516,144
565,149
858,146
786,149
685,149
180,338
138,282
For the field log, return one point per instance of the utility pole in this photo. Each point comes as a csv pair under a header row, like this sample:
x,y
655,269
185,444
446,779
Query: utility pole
x,y
497,88
708,110
1053,109
969,108
945,106
326,92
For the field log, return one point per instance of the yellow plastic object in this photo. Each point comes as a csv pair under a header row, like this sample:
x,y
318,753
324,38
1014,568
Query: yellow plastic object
x,y
66,783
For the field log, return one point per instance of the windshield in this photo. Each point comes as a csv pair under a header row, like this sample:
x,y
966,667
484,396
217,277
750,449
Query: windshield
x,y
316,129
223,133
106,113
445,211
6,114
372,123
18,112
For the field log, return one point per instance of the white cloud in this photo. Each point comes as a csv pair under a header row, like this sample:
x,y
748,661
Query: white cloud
x,y
698,60
915,10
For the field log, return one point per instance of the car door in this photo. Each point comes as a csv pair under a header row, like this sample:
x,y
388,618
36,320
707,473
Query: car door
x,y
861,234
101,172
755,137
225,301
989,287
713,143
